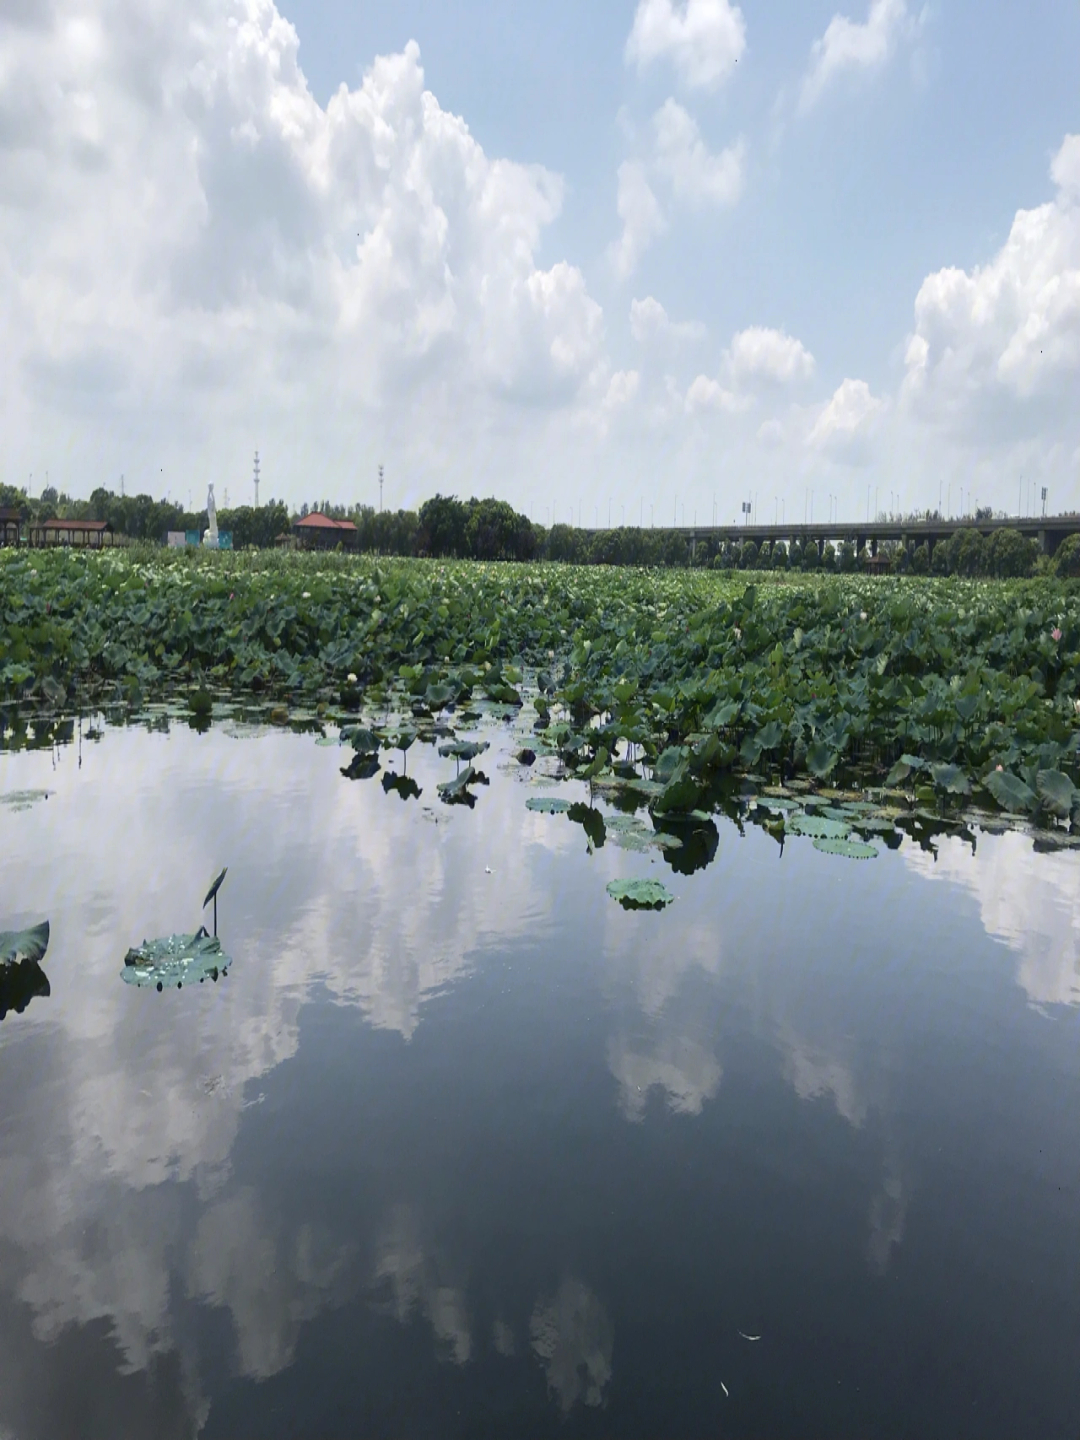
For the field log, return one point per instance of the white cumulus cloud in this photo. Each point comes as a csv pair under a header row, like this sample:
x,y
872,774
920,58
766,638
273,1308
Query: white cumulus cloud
x,y
1004,338
641,216
846,424
759,353
650,323
703,39
849,47
695,174
706,393
191,243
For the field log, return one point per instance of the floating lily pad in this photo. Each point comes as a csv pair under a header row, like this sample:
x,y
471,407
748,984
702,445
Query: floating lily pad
x,y
818,827
547,804
640,894
777,803
175,960
853,849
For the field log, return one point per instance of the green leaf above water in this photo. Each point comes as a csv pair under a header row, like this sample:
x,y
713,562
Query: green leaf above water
x,y
951,779
1010,792
455,789
853,849
24,945
1057,792
640,894
463,749
821,759
175,960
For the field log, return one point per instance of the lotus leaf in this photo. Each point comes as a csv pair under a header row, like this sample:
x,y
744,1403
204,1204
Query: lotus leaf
x,y
640,894
437,697
363,741
1057,792
456,789
464,749
1010,792
547,804
951,779
821,759
175,960
29,945
818,826
853,849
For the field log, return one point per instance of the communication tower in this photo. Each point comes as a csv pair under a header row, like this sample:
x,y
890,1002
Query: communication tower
x,y
256,479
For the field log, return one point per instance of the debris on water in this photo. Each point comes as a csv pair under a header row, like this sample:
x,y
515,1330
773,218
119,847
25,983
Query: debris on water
x,y
751,1338
725,1390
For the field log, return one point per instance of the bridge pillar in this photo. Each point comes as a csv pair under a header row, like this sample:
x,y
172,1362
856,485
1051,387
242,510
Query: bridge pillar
x,y
1042,541
873,547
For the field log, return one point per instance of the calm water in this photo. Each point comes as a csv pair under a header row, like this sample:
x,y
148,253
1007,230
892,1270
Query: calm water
x,y
461,1148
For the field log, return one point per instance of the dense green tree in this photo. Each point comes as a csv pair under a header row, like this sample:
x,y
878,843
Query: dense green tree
x,y
1067,559
1009,555
920,561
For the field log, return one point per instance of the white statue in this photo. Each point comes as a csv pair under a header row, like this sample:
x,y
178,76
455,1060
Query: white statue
x,y
210,539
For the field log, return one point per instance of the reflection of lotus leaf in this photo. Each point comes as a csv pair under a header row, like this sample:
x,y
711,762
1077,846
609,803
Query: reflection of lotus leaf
x,y
640,894
23,799
24,945
175,960
853,849
547,804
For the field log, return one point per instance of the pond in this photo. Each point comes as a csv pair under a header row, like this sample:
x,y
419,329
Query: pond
x,y
459,1146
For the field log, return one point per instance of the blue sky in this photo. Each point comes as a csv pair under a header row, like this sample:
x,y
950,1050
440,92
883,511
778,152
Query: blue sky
x,y
735,251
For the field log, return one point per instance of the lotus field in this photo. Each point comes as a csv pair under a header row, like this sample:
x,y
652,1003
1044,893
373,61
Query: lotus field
x,y
953,691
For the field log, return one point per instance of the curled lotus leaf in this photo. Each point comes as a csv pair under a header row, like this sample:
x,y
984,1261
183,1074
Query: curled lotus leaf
x,y
951,779
455,789
821,759
17,946
1057,792
438,696
175,961
640,894
463,749
362,740
853,849
1010,792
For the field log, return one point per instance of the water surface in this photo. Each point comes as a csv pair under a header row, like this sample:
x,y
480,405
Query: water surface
x,y
459,1147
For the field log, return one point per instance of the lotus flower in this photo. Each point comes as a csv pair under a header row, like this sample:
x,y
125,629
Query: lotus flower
x,y
1055,634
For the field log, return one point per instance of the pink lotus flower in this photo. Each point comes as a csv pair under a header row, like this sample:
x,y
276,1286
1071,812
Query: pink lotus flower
x,y
1055,634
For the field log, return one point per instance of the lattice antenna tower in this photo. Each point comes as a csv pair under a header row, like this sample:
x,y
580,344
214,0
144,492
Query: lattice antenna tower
x,y
380,488
256,479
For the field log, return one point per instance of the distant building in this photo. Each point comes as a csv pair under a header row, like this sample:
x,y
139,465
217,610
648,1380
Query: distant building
x,y
87,534
9,526
319,532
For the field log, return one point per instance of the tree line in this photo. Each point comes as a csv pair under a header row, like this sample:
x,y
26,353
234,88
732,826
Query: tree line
x,y
445,527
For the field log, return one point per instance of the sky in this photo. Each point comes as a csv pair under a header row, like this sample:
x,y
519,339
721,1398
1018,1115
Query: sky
x,y
644,259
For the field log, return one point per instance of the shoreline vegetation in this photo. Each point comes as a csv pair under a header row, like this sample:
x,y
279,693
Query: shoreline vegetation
x,y
445,527
948,688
